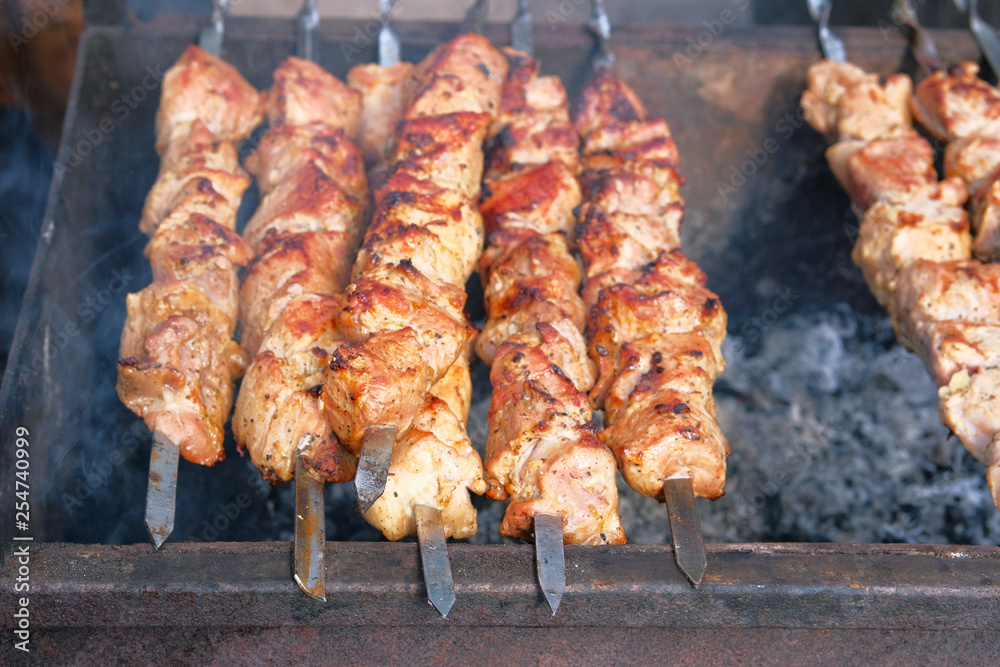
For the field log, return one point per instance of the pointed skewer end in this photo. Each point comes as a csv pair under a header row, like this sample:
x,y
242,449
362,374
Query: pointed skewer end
x,y
434,557
550,557
553,600
161,493
310,529
156,538
444,603
318,593
373,466
685,529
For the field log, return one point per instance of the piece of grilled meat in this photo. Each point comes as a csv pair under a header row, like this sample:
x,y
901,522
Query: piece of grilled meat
x,y
178,360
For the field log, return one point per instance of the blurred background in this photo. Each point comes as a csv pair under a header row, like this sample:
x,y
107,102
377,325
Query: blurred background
x,y
38,54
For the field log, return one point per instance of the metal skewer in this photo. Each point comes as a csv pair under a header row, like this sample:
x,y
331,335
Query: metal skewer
x,y
601,27
678,493
376,451
305,35
475,17
434,557
310,507
922,45
521,37
310,528
983,33
829,44
211,36
685,528
550,556
161,492
373,465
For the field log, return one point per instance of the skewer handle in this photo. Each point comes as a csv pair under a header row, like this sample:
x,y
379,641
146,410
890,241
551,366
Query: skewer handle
x,y
475,17
388,43
211,36
829,44
520,29
985,36
600,25
922,45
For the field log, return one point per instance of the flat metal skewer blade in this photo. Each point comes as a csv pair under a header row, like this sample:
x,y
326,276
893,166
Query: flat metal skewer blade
x,y
211,36
434,556
161,495
685,528
475,17
520,30
600,25
310,531
550,557
831,45
305,32
373,465
388,43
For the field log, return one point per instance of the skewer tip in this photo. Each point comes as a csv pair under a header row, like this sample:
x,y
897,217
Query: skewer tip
x,y
310,529
317,593
161,493
156,538
550,558
434,557
685,529
373,465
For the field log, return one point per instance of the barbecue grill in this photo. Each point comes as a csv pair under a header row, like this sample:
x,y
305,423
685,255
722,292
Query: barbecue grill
x,y
221,589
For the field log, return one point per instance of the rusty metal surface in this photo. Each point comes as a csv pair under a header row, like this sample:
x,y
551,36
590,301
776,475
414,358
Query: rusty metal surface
x,y
801,586
512,646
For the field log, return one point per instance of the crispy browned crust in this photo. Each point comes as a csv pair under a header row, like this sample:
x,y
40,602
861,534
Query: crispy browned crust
x,y
653,328
408,287
542,452
178,360
305,231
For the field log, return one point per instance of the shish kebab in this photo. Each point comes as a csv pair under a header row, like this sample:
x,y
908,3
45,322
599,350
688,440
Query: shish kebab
x,y
542,450
653,329
304,233
178,360
914,246
404,316
432,468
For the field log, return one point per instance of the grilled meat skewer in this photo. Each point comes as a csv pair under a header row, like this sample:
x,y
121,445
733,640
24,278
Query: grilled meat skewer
x,y
653,329
305,232
959,107
542,451
178,357
404,318
914,244
433,465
